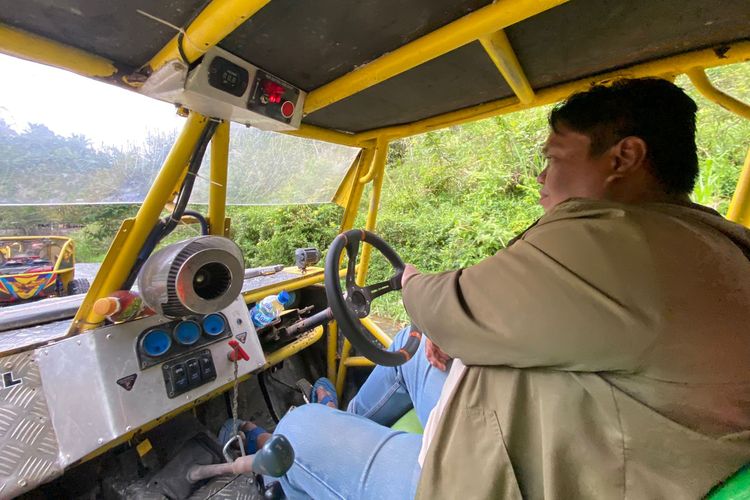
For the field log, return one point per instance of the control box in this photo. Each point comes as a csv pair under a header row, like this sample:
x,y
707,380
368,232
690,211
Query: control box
x,y
225,86
104,383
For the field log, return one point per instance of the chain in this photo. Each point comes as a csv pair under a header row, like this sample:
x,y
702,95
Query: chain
x,y
235,404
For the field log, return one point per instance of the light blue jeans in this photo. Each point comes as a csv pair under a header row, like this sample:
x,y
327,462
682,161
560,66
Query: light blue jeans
x,y
354,454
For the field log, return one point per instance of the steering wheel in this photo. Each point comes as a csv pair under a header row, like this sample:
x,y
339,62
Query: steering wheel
x,y
348,310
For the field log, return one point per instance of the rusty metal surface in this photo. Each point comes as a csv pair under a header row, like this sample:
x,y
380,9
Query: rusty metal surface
x,y
28,445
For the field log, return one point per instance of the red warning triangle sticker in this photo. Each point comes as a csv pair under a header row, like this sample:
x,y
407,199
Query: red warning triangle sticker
x,y
127,382
242,337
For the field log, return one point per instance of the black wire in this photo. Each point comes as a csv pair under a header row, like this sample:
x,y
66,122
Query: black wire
x,y
201,220
267,397
187,186
180,49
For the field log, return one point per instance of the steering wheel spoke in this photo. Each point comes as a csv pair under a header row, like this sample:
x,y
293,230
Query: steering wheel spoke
x,y
378,289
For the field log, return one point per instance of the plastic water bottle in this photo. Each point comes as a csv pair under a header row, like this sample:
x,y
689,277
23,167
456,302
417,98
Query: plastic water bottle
x,y
269,308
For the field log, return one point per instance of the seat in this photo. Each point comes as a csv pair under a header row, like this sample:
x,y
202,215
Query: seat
x,y
736,487
409,423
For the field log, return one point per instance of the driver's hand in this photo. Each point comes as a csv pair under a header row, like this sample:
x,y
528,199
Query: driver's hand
x,y
435,356
409,272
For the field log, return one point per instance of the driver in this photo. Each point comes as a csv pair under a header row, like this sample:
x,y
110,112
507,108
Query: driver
x,y
603,354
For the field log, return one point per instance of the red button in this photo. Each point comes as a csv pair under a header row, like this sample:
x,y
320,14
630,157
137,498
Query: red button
x,y
287,109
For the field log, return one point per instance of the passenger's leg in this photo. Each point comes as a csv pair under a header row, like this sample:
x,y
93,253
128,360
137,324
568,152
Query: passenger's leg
x,y
389,392
345,456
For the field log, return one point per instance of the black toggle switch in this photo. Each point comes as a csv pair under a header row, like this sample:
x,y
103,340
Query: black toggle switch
x,y
179,378
207,367
193,372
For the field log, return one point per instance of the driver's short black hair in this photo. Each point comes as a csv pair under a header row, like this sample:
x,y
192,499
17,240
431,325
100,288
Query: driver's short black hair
x,y
657,111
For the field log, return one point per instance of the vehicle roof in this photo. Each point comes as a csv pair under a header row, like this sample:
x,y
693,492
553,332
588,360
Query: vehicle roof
x,y
313,43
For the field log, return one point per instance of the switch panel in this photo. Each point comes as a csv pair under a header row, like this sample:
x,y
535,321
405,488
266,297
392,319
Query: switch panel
x,y
188,372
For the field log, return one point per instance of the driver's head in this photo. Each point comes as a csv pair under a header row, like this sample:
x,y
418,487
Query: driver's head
x,y
631,141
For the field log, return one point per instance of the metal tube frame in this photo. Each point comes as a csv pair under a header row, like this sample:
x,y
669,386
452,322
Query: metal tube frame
x,y
501,52
217,20
739,207
217,190
701,82
499,14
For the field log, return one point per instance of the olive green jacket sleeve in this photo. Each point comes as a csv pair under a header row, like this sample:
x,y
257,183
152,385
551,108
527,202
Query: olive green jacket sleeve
x,y
577,291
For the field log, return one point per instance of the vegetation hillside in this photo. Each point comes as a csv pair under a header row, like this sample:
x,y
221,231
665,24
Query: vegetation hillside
x,y
451,197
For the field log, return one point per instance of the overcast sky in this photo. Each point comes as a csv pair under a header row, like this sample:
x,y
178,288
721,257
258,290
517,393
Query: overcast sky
x,y
68,103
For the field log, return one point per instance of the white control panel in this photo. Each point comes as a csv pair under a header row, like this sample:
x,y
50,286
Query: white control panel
x,y
101,384
228,87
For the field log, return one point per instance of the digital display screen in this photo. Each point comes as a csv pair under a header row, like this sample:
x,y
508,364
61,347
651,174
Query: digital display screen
x,y
227,76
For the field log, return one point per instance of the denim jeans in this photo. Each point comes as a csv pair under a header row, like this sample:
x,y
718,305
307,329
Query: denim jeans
x,y
354,454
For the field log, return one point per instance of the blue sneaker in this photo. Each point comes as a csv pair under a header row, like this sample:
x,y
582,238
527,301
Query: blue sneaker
x,y
327,385
251,437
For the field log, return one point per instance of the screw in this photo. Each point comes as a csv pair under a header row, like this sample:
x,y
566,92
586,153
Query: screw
x,y
109,336
129,428
100,440
78,342
21,483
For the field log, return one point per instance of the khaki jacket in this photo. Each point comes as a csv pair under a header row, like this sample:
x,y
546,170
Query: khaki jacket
x,y
608,354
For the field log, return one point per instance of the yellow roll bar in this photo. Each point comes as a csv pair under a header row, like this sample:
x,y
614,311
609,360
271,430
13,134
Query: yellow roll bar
x,y
19,43
739,207
701,82
499,14
500,51
217,191
217,20
674,65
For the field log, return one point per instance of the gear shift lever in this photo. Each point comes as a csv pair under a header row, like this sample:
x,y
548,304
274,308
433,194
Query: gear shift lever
x,y
273,459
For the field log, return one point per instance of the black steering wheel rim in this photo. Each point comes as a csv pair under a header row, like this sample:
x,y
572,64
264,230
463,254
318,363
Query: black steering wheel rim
x,y
349,311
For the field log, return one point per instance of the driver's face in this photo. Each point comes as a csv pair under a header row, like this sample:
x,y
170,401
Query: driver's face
x,y
571,172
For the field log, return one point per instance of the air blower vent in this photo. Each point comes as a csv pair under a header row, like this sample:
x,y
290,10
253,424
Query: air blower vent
x,y
198,276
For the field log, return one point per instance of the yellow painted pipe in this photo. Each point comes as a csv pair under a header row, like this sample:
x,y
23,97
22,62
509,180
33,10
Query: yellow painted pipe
x,y
289,350
501,52
356,189
372,214
377,332
739,207
217,190
332,347
217,20
312,277
706,58
358,361
19,43
701,82
341,375
499,14
324,134
117,264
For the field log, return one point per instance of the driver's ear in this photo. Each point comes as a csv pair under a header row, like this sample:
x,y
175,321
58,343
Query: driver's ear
x,y
628,156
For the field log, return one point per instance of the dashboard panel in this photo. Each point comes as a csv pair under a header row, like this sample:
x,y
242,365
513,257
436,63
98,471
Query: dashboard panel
x,y
107,382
